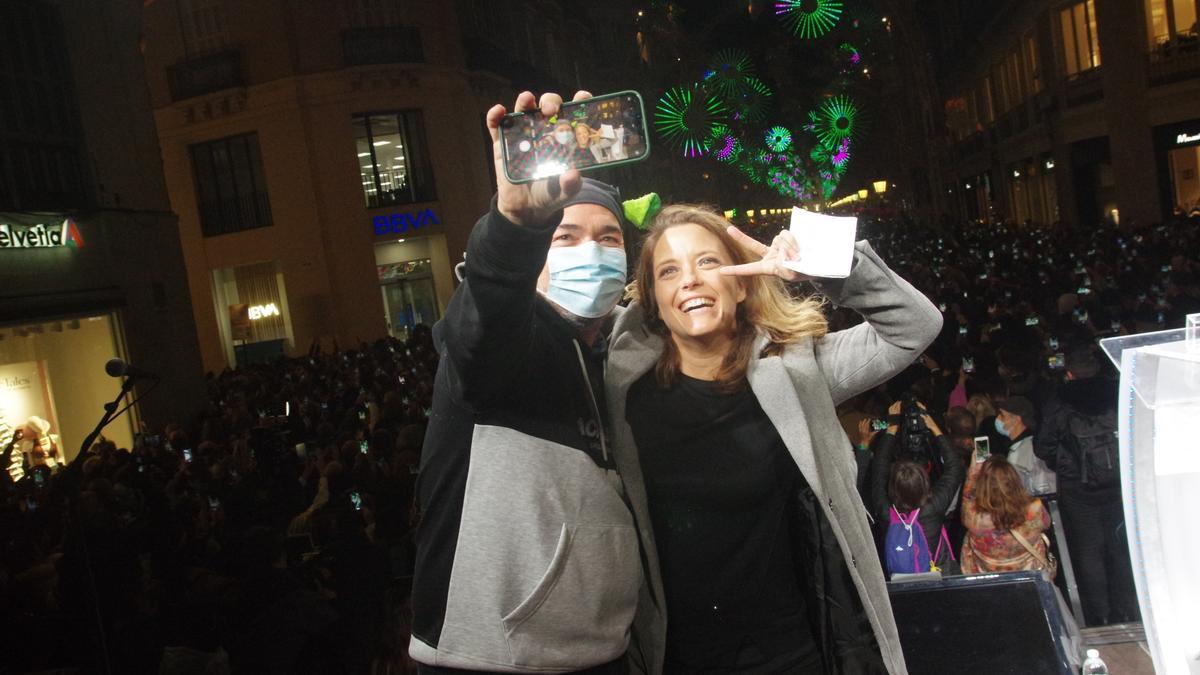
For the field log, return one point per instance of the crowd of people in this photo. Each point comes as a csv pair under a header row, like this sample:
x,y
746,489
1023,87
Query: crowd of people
x,y
273,534
276,532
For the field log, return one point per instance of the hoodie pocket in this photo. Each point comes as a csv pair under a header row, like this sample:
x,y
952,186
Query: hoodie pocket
x,y
580,611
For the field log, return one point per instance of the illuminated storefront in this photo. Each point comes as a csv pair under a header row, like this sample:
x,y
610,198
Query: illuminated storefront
x,y
252,312
76,291
1179,148
48,372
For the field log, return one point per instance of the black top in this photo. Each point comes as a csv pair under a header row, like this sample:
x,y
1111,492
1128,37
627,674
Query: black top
x,y
719,481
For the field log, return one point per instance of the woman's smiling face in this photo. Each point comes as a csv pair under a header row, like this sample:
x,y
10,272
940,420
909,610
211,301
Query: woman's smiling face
x,y
695,301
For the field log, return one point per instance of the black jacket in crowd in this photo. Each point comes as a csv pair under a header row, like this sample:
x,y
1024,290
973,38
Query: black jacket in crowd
x,y
1092,397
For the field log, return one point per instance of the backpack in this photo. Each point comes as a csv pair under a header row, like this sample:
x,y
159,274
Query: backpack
x,y
1095,443
906,551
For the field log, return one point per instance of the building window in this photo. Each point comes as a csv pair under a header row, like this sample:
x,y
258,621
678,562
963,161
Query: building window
x,y
376,13
1081,45
393,158
1168,19
205,30
230,189
1033,80
41,165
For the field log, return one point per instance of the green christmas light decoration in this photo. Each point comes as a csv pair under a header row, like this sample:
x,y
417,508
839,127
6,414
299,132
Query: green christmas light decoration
x,y
834,120
729,71
750,103
686,117
809,19
778,139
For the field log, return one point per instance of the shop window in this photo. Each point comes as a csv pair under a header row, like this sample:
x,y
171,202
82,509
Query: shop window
x,y
252,309
53,384
1081,44
230,189
409,297
1171,22
393,158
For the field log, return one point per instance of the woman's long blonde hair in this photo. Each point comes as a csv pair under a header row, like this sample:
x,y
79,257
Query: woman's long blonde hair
x,y
768,306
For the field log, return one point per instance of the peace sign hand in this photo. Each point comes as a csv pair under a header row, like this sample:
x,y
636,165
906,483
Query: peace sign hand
x,y
783,248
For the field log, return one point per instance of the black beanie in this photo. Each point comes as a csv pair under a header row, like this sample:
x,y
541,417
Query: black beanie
x,y
603,194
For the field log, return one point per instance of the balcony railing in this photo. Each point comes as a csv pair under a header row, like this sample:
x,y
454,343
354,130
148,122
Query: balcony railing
x,y
206,74
367,46
1175,60
1084,87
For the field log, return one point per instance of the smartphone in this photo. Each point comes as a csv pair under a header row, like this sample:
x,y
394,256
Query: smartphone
x,y
878,425
301,450
962,330
599,132
1115,326
941,307
1054,343
364,446
982,449
1031,321
1083,290
214,503
187,455
357,500
1056,361
362,414
968,364
39,479
1165,268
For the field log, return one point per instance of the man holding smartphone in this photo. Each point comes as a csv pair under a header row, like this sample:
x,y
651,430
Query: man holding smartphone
x,y
527,555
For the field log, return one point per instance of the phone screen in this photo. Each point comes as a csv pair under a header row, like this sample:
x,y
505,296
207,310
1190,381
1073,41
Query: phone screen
x,y
878,425
1056,361
982,449
968,364
600,131
187,454
357,500
363,446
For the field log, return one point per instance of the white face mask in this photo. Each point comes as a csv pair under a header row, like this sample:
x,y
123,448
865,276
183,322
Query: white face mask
x,y
564,137
587,280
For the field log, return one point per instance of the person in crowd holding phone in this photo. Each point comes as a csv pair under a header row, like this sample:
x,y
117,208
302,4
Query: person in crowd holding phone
x,y
1016,420
1005,525
1077,440
904,485
722,389
527,555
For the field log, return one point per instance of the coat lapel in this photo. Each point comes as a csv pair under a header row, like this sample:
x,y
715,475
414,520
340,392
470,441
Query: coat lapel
x,y
639,353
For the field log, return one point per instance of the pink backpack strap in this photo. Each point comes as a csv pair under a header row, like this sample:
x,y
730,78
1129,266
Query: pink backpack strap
x,y
944,538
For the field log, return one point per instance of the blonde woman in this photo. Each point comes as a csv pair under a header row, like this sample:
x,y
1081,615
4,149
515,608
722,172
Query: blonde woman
x,y
722,391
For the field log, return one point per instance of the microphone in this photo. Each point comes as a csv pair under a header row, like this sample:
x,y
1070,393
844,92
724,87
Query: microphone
x,y
118,368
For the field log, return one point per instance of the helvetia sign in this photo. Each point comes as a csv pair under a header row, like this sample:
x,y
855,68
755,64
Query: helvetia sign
x,y
41,235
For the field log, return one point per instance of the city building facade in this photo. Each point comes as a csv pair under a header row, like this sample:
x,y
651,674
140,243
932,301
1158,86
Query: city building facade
x,y
1070,111
90,259
328,158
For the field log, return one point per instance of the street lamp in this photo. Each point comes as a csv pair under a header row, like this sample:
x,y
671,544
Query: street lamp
x,y
862,194
880,186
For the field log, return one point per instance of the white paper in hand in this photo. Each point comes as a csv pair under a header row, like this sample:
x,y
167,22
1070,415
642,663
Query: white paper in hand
x,y
826,244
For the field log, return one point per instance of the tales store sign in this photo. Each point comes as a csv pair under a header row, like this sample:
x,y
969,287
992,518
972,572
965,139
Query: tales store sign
x,y
40,235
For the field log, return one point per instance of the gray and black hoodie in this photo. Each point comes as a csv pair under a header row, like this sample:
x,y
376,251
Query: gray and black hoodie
x,y
527,555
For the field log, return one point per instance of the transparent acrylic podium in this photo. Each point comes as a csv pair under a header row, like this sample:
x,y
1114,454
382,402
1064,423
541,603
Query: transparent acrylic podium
x,y
1159,431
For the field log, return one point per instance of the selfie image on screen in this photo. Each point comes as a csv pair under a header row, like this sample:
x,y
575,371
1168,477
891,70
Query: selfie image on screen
x,y
600,131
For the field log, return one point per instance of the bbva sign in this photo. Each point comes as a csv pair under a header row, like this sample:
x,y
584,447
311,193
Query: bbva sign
x,y
399,223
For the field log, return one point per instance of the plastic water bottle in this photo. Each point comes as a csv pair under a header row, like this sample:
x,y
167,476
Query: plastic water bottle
x,y
1094,665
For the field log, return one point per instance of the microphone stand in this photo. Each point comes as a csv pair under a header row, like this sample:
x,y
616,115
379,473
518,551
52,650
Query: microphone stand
x,y
76,466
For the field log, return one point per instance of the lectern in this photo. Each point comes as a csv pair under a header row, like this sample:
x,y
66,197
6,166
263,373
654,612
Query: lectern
x,y
1159,436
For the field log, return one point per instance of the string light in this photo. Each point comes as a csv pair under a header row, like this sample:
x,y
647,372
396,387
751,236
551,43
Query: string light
x,y
686,117
818,19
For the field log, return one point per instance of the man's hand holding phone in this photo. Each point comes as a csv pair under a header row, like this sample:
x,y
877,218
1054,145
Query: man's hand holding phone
x,y
530,203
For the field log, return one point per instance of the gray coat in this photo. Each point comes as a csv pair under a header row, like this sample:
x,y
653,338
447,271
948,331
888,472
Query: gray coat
x,y
798,391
